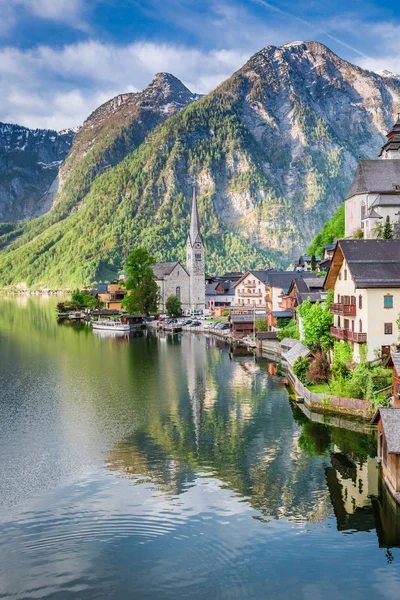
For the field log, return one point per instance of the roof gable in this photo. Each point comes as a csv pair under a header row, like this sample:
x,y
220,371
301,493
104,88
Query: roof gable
x,y
376,176
391,427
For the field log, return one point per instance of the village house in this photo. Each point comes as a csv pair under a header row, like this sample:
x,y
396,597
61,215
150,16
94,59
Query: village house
x,y
111,294
300,290
393,362
388,423
277,287
305,263
250,289
375,191
220,292
365,278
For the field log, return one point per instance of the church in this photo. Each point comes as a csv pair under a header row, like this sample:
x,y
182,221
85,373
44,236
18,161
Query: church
x,y
186,283
375,191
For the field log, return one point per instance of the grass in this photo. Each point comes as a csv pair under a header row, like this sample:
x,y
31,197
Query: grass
x,y
321,388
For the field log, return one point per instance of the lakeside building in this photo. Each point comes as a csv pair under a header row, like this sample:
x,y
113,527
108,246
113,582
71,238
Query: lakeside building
x,y
365,278
375,191
388,423
111,294
278,284
186,283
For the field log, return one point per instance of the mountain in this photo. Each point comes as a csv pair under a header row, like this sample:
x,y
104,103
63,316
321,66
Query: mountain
x,y
273,150
29,164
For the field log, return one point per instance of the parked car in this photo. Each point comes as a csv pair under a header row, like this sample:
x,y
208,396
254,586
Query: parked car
x,y
196,324
187,322
172,321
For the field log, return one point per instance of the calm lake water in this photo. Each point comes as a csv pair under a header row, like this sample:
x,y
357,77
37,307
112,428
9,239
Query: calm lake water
x,y
164,468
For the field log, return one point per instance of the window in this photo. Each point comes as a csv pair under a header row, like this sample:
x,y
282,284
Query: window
x,y
197,256
388,301
338,321
338,298
178,293
345,274
352,325
360,325
388,328
360,302
340,276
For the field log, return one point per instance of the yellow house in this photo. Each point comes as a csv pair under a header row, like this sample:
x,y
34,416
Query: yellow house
x,y
365,278
113,295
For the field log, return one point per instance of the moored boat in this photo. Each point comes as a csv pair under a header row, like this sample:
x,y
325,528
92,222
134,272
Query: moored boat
x,y
111,325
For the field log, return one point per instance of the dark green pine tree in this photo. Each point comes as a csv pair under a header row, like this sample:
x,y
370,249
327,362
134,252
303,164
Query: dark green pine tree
x,y
388,229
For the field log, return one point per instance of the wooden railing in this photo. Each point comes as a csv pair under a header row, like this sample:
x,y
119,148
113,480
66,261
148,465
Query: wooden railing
x,y
347,335
347,310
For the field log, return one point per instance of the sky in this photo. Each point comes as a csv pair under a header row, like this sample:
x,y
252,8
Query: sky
x,y
61,59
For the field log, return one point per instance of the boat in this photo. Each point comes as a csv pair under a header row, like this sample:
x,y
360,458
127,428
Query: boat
x,y
111,325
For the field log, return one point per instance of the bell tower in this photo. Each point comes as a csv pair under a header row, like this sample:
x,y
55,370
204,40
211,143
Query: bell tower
x,y
195,260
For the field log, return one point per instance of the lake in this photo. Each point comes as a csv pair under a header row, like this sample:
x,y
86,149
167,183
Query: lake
x,y
171,467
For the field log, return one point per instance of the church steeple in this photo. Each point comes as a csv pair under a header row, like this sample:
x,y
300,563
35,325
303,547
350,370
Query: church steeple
x,y
194,221
392,147
195,260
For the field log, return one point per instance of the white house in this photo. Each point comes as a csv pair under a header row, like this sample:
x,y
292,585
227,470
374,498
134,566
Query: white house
x,y
365,278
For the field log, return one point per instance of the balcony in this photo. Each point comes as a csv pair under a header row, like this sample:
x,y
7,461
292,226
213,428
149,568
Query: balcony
x,y
345,310
348,336
250,293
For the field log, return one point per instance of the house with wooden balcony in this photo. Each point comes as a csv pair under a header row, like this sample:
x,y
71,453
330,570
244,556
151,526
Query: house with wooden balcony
x,y
251,289
112,294
365,278
277,288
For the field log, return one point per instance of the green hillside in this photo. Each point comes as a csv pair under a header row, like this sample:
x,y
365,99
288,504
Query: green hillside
x,y
331,231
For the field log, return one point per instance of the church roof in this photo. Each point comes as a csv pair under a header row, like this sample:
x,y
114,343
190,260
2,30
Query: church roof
x,y
161,270
376,176
386,200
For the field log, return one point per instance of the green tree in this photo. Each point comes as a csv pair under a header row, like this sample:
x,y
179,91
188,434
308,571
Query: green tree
x,y
388,229
143,299
313,262
317,320
77,299
173,306
138,268
290,331
261,325
300,368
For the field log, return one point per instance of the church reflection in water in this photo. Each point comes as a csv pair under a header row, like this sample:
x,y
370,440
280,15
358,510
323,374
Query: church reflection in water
x,y
224,413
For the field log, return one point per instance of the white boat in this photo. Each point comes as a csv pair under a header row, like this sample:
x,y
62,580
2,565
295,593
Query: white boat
x,y
111,325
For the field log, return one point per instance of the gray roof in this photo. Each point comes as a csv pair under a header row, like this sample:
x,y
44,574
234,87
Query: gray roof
x,y
373,263
391,426
283,279
330,247
393,137
249,318
161,270
297,350
312,288
396,361
376,176
288,343
280,314
386,200
373,214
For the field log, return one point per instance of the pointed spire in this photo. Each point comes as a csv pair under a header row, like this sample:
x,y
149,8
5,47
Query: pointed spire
x,y
194,221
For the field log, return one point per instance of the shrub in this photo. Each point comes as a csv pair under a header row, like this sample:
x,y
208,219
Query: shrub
x,y
261,325
290,331
225,313
319,370
300,368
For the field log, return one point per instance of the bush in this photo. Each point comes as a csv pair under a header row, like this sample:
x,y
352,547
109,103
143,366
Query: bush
x,y
319,370
291,330
300,368
261,325
225,313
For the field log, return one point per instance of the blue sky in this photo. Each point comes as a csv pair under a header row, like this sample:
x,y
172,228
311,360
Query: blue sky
x,y
60,59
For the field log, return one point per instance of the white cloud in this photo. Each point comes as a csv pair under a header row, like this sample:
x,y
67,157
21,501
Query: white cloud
x,y
57,88
387,37
55,10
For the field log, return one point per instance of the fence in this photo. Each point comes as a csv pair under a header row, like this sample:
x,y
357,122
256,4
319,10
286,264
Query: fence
x,y
361,408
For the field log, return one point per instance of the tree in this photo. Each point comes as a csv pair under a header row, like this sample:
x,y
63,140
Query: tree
x,y
358,234
313,263
138,268
173,306
77,299
316,322
300,368
261,325
387,230
143,299
319,370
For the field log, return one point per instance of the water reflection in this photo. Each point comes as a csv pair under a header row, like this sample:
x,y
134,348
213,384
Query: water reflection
x,y
176,466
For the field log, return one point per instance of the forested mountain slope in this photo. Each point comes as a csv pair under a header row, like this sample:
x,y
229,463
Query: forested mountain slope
x,y
273,151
